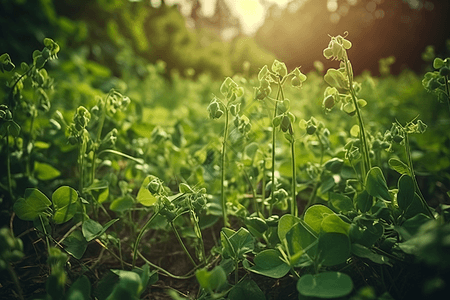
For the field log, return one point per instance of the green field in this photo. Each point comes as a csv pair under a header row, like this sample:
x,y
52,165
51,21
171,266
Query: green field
x,y
125,176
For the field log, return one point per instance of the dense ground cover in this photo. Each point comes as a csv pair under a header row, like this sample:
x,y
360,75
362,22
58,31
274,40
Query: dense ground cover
x,y
276,186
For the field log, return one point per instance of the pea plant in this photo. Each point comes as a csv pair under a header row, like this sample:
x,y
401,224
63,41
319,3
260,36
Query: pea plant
x,y
286,201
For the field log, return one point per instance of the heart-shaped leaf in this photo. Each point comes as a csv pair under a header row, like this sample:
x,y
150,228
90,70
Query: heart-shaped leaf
x,y
315,214
333,248
268,263
144,196
65,203
405,195
325,285
376,185
34,203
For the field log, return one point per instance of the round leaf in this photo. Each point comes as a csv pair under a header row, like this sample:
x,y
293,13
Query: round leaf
x,y
315,214
65,203
405,193
268,263
376,185
34,204
334,248
325,285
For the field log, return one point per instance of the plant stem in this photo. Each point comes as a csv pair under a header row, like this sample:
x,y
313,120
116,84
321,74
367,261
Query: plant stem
x,y
274,138
97,142
236,275
167,273
222,189
8,164
28,157
413,175
141,233
255,203
365,166
182,244
447,89
294,210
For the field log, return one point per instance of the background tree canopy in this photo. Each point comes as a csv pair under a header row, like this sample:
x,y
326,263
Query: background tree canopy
x,y
123,34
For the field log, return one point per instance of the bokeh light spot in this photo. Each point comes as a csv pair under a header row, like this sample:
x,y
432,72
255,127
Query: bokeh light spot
x,y
371,6
332,5
379,14
335,17
343,10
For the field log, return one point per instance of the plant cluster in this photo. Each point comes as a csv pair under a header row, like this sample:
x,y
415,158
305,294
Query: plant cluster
x,y
285,198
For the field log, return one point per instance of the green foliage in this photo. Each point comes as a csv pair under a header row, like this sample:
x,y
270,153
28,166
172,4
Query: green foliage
x,y
310,211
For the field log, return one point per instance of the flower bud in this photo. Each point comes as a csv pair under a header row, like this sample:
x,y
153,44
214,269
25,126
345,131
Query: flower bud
x,y
328,102
311,129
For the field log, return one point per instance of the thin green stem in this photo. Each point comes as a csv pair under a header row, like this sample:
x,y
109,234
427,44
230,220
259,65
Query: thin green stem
x,y
222,187
28,157
141,233
263,187
97,142
365,166
8,164
413,175
255,203
167,273
236,275
447,89
274,139
294,210
182,244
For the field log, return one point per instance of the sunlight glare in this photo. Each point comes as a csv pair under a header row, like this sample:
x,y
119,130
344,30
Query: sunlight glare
x,y
252,14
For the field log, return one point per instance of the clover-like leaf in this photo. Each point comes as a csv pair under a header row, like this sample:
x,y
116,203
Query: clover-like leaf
x,y
65,203
34,204
376,184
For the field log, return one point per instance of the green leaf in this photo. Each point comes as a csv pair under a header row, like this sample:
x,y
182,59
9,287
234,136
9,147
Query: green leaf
x,y
315,214
364,201
246,290
341,202
242,242
129,286
376,185
285,224
416,207
45,171
65,203
399,166
413,224
368,235
92,229
211,280
327,184
364,252
80,289
325,285
333,223
333,248
405,193
144,196
75,244
262,73
268,263
97,185
41,145
300,238
34,204
122,204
